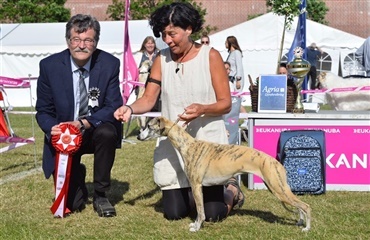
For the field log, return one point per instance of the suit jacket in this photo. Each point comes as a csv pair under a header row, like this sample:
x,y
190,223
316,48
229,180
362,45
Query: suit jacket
x,y
55,97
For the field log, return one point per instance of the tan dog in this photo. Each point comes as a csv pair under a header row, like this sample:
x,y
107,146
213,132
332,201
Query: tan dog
x,y
208,164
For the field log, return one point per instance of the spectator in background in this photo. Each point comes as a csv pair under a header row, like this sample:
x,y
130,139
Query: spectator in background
x,y
363,54
205,39
231,79
236,69
284,70
290,80
144,59
313,52
148,51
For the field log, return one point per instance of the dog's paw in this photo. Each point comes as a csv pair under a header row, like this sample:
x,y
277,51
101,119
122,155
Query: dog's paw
x,y
306,229
194,227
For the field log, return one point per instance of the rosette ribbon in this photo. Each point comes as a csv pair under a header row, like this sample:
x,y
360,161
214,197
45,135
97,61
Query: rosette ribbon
x,y
65,145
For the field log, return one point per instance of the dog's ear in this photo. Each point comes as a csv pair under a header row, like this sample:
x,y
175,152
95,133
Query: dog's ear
x,y
162,122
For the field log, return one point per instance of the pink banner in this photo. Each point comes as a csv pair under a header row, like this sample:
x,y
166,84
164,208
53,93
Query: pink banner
x,y
347,150
130,70
14,82
345,89
8,139
238,94
137,83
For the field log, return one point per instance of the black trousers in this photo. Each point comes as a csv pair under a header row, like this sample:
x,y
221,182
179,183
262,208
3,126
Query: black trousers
x,y
101,142
178,203
313,75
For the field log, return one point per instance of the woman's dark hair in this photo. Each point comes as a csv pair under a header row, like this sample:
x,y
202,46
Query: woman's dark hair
x,y
233,42
179,14
81,23
283,65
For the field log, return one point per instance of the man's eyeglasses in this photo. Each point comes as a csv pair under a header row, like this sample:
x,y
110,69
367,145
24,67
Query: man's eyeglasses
x,y
77,41
204,42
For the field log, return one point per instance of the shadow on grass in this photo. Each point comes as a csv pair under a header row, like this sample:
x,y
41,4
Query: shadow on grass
x,y
15,166
115,195
265,216
146,195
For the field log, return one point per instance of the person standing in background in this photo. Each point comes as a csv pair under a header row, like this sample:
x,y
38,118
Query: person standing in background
x,y
144,60
313,52
363,54
235,58
205,39
148,51
231,79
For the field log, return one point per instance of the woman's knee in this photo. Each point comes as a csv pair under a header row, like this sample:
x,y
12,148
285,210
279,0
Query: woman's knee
x,y
215,211
175,214
176,203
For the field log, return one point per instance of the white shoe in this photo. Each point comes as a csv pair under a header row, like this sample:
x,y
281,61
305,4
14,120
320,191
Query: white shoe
x,y
244,125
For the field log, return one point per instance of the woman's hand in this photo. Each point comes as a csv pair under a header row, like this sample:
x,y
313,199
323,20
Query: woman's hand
x,y
192,112
123,114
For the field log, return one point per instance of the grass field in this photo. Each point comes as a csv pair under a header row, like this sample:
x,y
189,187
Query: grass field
x,y
25,203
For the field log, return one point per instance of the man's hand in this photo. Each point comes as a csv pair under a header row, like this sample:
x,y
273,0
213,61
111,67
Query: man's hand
x,y
56,130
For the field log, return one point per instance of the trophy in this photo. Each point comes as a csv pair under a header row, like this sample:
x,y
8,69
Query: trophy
x,y
298,68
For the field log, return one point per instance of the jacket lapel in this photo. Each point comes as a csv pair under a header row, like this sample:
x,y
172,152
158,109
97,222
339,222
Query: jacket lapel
x,y
67,78
94,70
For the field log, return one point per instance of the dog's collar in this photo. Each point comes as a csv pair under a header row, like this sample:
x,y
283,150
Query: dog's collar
x,y
177,121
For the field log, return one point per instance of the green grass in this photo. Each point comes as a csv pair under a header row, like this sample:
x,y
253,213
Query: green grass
x,y
25,203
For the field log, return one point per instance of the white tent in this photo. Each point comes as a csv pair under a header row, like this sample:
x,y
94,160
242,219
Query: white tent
x,y
260,40
22,46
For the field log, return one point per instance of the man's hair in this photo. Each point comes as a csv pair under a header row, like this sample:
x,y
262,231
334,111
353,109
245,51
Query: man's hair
x,y
81,23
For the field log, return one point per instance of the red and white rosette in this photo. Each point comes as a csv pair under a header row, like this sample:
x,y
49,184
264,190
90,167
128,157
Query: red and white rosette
x,y
65,145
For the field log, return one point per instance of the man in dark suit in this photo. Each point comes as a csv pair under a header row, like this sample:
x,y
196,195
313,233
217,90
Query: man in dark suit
x,y
58,101
313,52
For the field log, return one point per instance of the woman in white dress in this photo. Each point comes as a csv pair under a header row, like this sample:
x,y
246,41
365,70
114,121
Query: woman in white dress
x,y
194,88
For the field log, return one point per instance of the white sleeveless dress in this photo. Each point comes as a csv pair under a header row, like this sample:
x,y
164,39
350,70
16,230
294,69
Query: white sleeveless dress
x,y
191,84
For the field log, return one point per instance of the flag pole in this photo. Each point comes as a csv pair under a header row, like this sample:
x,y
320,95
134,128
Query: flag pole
x,y
130,70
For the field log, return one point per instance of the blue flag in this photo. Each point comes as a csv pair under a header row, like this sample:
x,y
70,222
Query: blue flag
x,y
300,34
300,38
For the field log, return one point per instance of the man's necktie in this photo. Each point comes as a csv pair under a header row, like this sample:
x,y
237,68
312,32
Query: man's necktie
x,y
83,93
